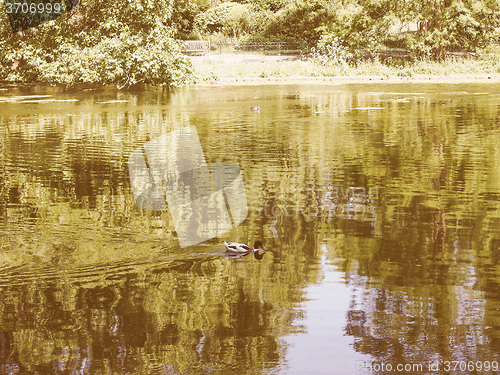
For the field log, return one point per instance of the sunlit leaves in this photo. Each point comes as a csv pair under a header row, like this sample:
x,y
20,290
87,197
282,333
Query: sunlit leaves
x,y
454,25
99,43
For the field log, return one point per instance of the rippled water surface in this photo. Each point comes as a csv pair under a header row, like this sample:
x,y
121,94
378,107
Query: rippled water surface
x,y
379,204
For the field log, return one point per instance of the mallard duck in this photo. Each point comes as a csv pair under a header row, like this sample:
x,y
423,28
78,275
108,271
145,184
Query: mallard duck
x,y
241,248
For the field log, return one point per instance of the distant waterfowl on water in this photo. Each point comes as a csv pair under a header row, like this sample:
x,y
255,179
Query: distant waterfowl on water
x,y
256,109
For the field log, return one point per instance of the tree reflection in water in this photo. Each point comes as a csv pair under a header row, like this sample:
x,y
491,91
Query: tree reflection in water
x,y
403,200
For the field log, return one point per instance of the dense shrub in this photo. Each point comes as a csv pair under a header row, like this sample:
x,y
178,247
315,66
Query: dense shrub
x,y
331,49
229,18
270,5
302,19
452,25
354,29
106,41
184,13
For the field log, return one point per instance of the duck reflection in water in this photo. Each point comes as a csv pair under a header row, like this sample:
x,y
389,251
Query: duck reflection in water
x,y
257,254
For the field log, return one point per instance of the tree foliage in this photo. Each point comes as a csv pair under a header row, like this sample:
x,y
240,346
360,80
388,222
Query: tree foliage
x,y
135,41
303,19
450,25
101,41
355,27
272,5
358,26
184,14
229,18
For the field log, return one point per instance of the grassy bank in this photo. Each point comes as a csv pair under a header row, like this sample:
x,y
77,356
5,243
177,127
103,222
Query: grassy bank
x,y
214,67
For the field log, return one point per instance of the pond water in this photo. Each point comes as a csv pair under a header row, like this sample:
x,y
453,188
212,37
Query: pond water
x,y
379,204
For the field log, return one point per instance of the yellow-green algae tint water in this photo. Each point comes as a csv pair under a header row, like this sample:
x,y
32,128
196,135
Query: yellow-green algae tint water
x,y
380,203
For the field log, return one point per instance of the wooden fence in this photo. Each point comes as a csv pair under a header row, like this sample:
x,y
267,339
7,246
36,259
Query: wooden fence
x,y
273,48
296,48
197,46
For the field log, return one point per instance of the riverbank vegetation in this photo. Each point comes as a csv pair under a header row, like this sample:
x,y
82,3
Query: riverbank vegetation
x,y
348,28
212,68
140,41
